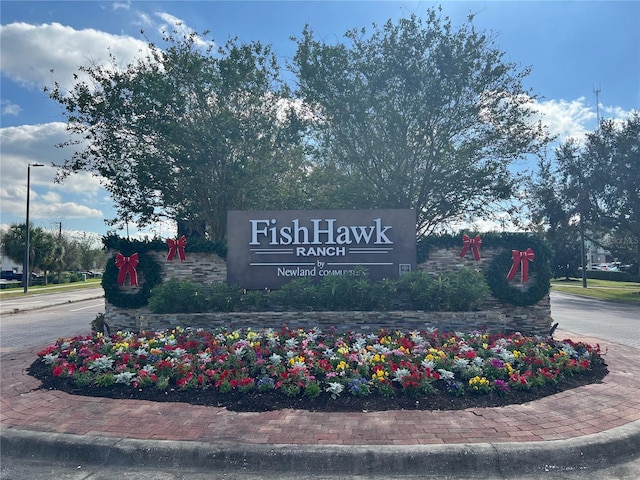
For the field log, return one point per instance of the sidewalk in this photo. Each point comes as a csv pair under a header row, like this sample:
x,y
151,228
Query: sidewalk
x,y
589,427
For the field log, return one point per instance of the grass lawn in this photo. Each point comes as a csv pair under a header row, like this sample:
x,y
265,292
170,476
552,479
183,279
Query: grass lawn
x,y
17,291
628,292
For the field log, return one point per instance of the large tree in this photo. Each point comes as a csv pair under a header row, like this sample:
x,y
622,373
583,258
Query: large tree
x,y
186,133
43,247
611,157
595,185
417,114
554,222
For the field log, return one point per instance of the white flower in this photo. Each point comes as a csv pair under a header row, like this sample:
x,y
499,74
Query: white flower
x,y
359,344
124,377
507,356
335,388
446,374
430,364
179,352
568,350
204,357
291,342
460,363
328,352
142,351
400,373
275,359
101,364
50,358
149,369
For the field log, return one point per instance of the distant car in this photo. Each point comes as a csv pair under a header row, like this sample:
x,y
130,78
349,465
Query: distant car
x,y
10,275
13,275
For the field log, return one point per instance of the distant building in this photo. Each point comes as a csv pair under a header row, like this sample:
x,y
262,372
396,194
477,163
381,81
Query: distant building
x,y
596,255
8,264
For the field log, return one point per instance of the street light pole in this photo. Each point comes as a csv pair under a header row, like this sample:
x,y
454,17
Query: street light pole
x,y
25,267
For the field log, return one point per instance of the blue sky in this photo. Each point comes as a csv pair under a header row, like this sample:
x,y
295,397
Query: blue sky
x,y
573,48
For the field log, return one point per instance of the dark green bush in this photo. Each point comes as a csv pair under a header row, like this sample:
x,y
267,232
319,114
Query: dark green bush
x,y
461,290
175,296
613,276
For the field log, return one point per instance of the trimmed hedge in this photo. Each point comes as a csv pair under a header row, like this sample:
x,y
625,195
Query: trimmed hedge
x,y
613,276
462,290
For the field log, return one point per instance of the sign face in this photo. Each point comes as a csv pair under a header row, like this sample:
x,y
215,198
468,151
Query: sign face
x,y
267,249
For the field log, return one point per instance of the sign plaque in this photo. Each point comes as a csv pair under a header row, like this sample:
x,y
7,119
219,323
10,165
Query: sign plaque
x,y
267,249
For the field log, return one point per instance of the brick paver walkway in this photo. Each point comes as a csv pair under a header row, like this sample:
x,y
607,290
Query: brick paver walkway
x,y
586,410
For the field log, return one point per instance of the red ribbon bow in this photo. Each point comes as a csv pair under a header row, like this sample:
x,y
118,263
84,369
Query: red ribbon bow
x,y
474,244
127,265
177,246
521,259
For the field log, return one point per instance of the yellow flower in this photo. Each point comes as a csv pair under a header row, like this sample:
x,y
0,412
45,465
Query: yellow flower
x,y
379,375
377,358
477,382
342,365
517,353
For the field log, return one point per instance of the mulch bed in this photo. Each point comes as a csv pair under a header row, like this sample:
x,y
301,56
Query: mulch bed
x,y
255,401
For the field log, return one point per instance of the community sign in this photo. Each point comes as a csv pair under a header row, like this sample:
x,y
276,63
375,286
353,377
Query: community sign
x,y
267,249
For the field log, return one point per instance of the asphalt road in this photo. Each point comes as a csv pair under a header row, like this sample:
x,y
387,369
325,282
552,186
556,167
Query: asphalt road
x,y
34,324
616,322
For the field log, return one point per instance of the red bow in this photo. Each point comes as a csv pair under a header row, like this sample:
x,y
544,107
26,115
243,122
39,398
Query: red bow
x,y
127,265
473,243
177,246
521,259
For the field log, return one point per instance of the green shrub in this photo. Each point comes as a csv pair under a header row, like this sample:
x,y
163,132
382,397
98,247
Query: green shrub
x,y
613,276
460,290
299,293
175,296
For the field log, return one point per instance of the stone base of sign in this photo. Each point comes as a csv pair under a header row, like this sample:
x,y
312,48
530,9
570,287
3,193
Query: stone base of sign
x,y
490,321
495,316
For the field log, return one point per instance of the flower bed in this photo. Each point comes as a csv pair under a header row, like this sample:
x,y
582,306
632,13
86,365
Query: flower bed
x,y
266,369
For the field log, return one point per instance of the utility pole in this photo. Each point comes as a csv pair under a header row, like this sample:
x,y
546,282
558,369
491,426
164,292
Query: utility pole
x,y
597,92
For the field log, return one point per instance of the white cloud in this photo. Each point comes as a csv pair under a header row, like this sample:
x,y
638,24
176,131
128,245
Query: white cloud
x,y
29,144
566,118
574,118
121,5
174,23
9,108
59,48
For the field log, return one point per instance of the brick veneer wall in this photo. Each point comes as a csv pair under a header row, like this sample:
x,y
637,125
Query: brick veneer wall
x,y
209,268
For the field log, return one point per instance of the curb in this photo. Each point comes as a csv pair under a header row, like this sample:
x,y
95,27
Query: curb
x,y
48,305
587,452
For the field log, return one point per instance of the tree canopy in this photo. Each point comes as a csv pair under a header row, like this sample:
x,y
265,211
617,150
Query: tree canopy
x,y
44,250
186,133
596,184
418,114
